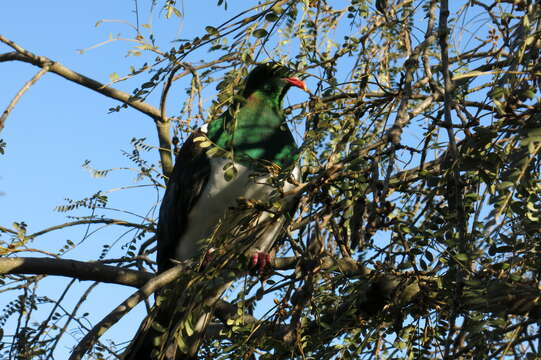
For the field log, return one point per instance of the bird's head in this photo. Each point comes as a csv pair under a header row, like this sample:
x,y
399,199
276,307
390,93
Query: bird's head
x,y
273,79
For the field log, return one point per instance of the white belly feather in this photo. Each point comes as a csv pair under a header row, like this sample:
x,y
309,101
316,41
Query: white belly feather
x,y
217,197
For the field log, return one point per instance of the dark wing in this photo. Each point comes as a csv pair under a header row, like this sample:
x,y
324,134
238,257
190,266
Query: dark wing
x,y
189,178
190,175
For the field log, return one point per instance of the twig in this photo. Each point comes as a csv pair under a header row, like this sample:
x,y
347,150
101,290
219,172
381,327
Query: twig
x,y
19,94
45,324
91,221
6,230
71,317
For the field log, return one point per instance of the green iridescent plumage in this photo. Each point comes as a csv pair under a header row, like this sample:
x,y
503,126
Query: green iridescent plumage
x,y
254,128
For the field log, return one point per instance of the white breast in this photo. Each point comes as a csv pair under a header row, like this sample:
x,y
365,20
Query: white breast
x,y
218,196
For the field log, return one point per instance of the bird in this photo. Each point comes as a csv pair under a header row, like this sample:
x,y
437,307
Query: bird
x,y
254,134
228,160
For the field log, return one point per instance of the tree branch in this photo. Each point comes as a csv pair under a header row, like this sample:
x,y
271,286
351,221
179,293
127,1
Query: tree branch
x,y
90,221
68,74
75,269
19,94
513,298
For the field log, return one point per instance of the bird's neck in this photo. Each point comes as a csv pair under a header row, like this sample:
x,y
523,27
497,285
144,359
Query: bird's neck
x,y
259,100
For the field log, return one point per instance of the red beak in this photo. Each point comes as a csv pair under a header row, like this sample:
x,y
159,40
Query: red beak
x,y
297,82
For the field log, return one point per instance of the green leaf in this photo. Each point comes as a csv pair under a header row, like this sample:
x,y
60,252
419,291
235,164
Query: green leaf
x,y
205,144
532,148
462,257
113,77
505,185
230,171
271,17
189,329
534,133
215,151
531,206
260,33
277,9
497,93
211,30
531,217
180,342
177,12
145,47
169,12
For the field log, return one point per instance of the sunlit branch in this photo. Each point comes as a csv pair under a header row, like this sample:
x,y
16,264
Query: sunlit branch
x,y
75,269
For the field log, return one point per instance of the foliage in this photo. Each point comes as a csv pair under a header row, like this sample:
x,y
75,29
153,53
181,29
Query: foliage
x,y
417,231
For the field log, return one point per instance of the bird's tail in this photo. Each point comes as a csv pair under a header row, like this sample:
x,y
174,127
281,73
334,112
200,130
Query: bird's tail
x,y
145,344
175,327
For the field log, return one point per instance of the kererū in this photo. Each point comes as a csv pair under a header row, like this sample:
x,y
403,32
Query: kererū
x,y
228,159
202,188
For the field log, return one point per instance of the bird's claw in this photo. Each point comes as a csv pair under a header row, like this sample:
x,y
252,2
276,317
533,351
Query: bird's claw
x,y
260,262
209,257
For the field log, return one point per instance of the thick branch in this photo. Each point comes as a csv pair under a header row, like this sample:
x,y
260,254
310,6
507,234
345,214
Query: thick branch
x,y
95,271
68,74
75,269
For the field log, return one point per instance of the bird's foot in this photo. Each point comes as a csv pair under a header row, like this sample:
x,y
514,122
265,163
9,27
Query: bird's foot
x,y
209,257
260,263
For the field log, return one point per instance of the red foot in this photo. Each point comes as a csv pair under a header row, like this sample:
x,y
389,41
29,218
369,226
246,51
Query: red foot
x,y
209,256
260,261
